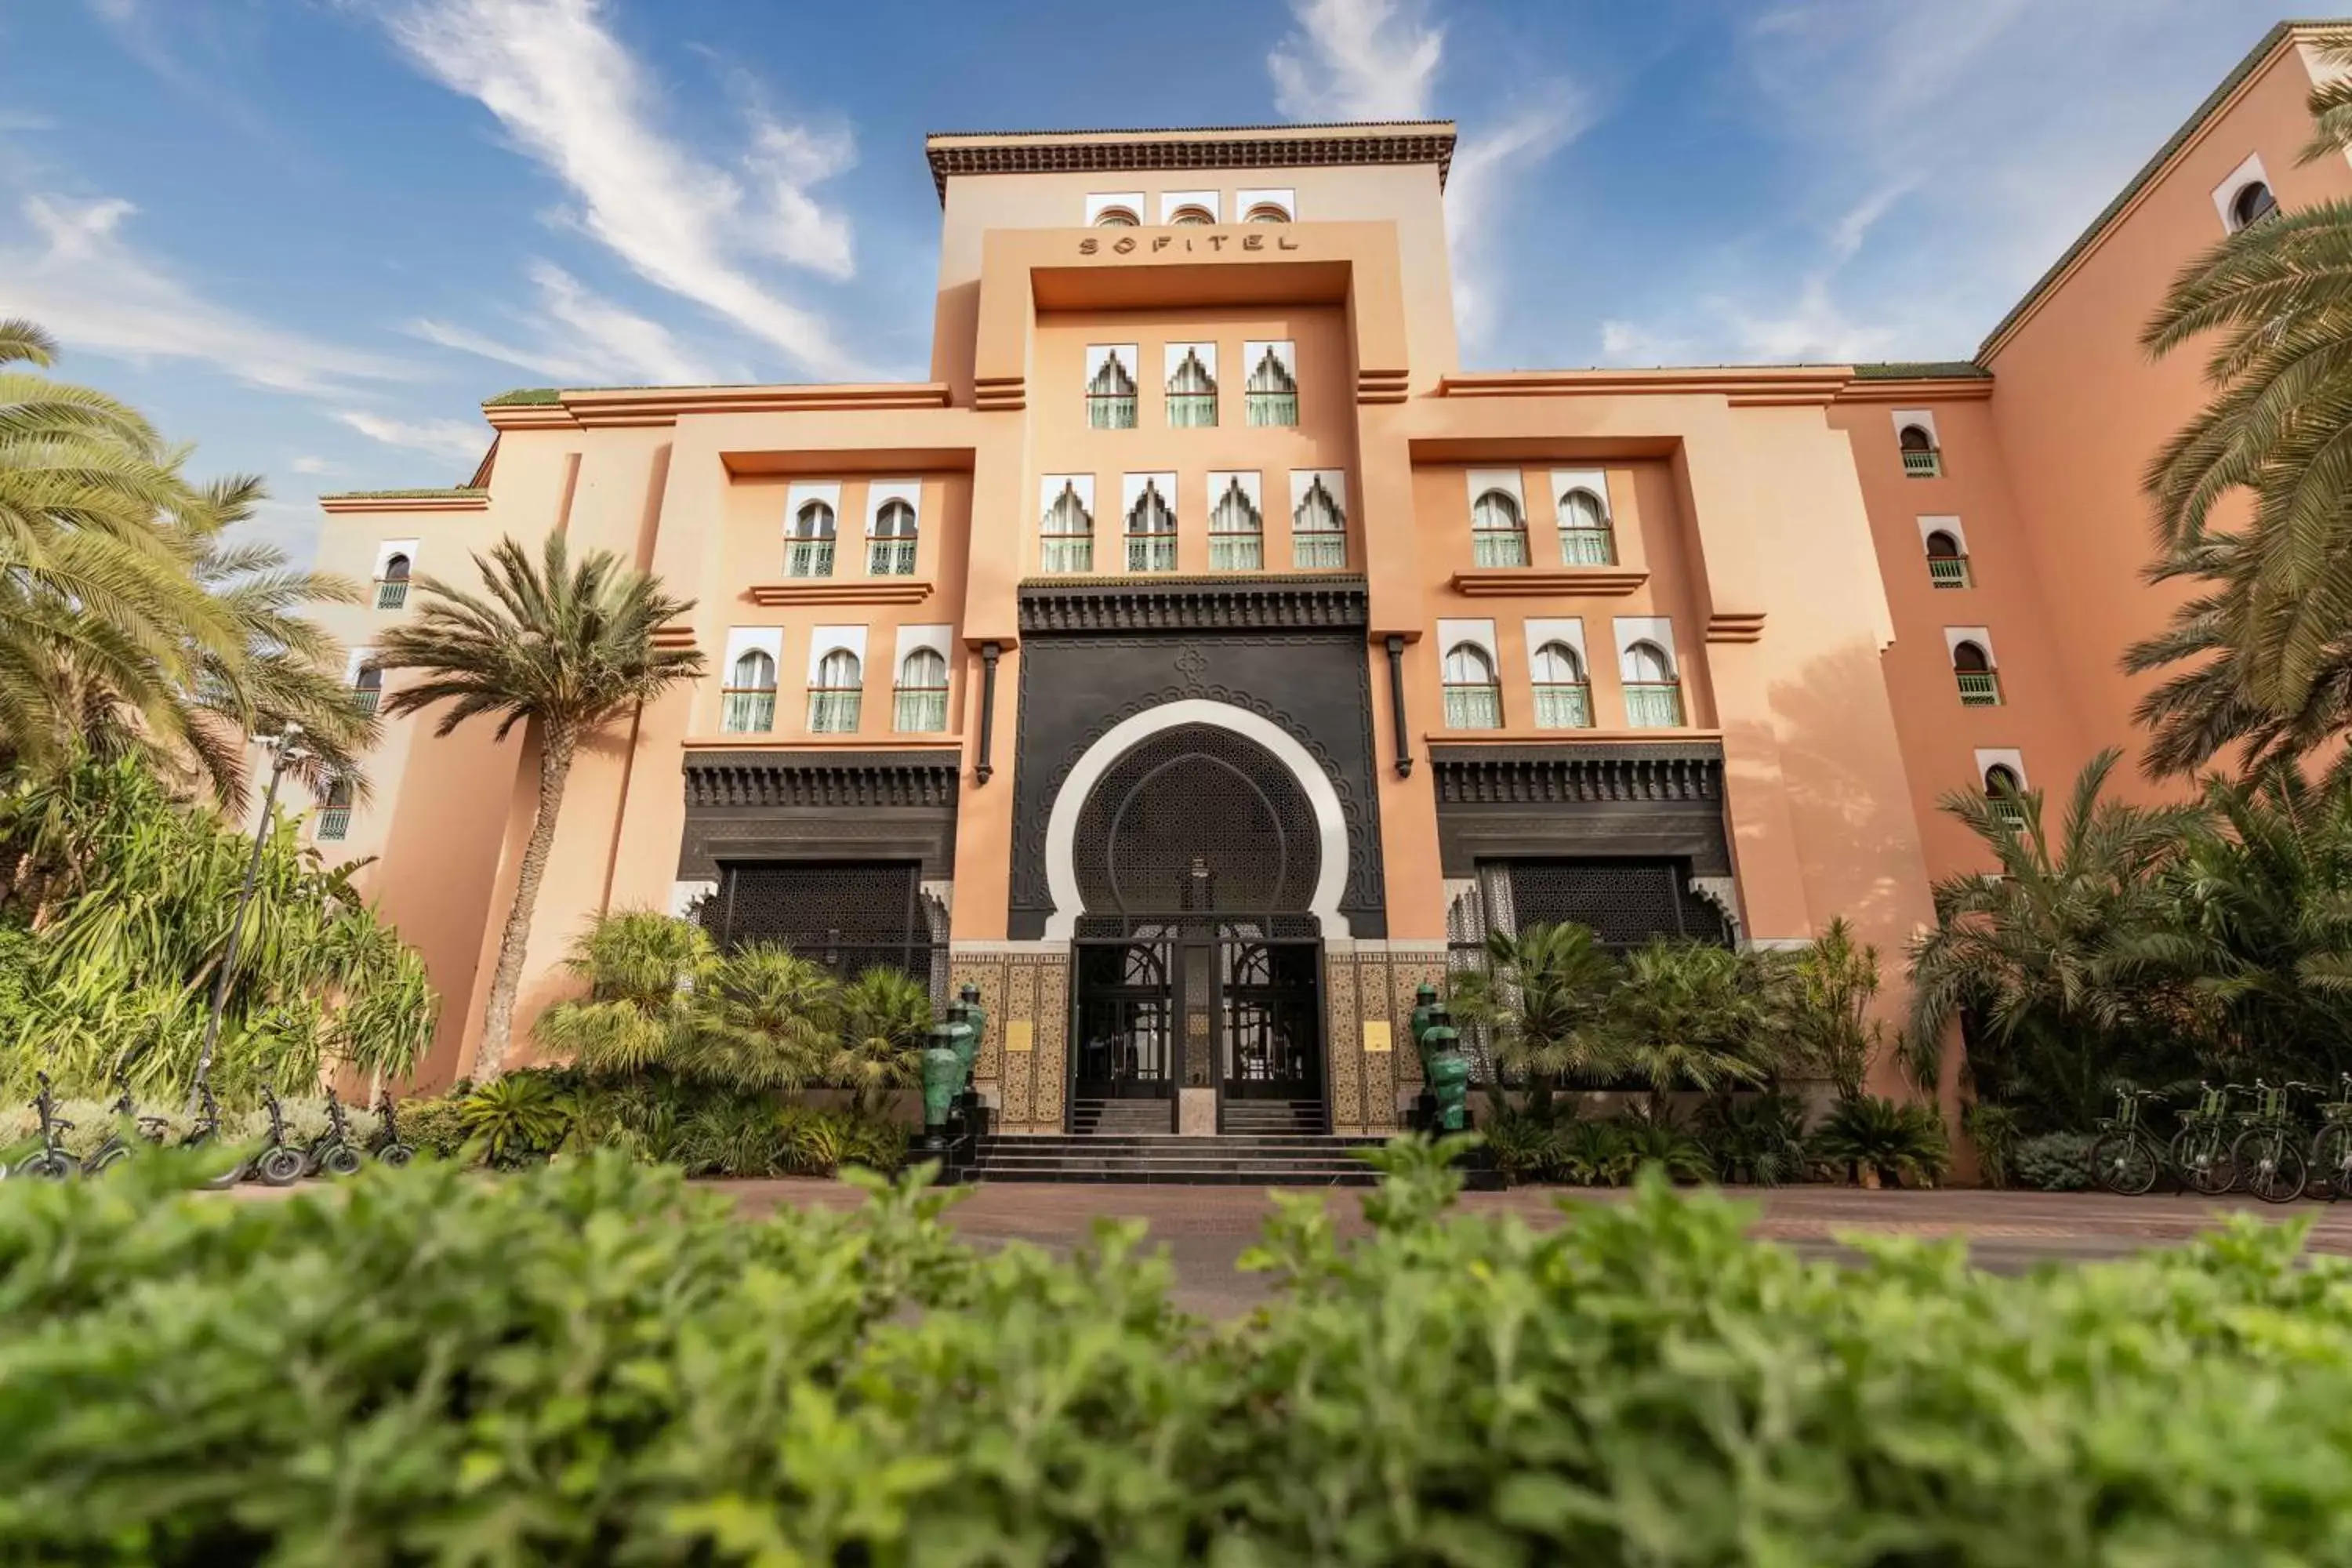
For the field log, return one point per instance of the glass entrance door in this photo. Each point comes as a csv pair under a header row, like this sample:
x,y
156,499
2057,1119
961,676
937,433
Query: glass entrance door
x,y
1271,1014
1128,1029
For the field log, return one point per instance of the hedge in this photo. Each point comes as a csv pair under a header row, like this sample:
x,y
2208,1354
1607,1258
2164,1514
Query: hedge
x,y
594,1364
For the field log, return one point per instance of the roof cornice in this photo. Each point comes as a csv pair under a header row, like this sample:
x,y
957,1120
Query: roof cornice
x,y
456,498
1742,385
953,153
573,409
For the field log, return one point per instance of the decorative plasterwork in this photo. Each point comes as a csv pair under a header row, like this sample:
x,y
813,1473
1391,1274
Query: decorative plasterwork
x,y
1736,626
1192,603
1225,147
675,635
840,591
857,779
1570,773
1521,583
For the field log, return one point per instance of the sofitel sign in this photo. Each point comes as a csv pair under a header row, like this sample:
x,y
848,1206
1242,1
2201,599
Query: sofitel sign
x,y
1126,244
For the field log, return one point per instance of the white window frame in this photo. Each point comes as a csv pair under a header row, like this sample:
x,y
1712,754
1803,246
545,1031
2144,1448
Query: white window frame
x,y
1207,201
1132,201
1954,636
1988,758
1923,417
389,548
2225,194
1244,201
1947,523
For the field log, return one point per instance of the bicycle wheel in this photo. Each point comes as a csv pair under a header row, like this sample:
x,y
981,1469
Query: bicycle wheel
x,y
2125,1162
280,1167
2201,1155
395,1154
342,1160
106,1160
48,1166
2331,1159
2274,1168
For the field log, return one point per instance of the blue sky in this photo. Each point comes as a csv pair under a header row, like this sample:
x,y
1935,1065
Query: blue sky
x,y
310,235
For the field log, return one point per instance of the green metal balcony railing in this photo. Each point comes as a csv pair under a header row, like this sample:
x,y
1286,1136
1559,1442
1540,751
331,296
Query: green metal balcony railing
x,y
1271,408
919,710
392,595
1948,570
832,710
1474,707
1320,552
749,711
1653,704
1498,547
1105,412
1236,553
1191,410
1979,687
809,558
366,697
2009,809
1927,464
1065,553
1563,705
1586,547
891,558
334,822
1151,552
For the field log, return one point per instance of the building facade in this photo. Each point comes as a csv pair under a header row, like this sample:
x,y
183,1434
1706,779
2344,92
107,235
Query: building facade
x,y
1201,658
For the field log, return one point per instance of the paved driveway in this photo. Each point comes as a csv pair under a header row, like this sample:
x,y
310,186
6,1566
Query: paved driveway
x,y
1205,1228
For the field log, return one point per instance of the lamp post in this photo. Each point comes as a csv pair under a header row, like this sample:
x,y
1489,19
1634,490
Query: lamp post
x,y
285,753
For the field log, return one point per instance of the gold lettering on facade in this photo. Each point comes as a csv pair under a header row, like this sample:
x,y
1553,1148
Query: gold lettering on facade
x,y
1089,247
1126,243
1217,242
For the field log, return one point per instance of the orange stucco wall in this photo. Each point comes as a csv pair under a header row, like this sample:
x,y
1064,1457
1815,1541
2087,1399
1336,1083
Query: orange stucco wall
x,y
1764,513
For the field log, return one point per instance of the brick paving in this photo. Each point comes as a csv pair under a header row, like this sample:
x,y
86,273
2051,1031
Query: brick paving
x,y
1205,1229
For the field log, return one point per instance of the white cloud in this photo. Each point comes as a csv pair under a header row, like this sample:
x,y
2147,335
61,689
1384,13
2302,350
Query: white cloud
x,y
442,438
311,465
1379,59
578,338
574,99
81,278
1356,60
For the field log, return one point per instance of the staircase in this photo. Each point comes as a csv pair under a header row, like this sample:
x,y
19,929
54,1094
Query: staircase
x,y
1255,1161
1121,1118
1273,1118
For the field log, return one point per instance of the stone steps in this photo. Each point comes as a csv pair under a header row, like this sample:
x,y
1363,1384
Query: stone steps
x,y
1272,1160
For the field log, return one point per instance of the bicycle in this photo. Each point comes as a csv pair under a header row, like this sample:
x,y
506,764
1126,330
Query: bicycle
x,y
206,1132
117,1149
279,1163
389,1150
2268,1154
2125,1158
331,1150
2331,1146
2201,1150
53,1163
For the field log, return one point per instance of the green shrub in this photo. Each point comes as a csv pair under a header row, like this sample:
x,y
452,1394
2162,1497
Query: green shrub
x,y
2053,1162
1756,1139
1993,1130
592,1363
1898,1143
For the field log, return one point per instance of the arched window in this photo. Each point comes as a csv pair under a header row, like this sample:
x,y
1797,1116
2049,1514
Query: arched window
x,y
392,588
335,810
749,704
891,552
1191,394
1069,534
1584,536
1190,214
1266,212
2251,206
1563,697
1948,567
920,707
1110,396
1654,696
1116,217
1979,683
1921,460
1318,530
811,553
1472,698
1151,532
367,688
2006,792
1499,534
1237,532
834,695
1271,396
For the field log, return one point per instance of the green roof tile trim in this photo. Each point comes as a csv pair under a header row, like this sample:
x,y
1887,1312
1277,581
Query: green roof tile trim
x,y
1923,370
2213,100
524,394
433,493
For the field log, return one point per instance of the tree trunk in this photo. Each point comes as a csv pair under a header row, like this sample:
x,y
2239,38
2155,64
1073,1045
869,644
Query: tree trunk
x,y
498,1018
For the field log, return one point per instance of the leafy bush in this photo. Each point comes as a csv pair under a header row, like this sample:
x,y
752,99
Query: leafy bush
x,y
594,1363
1896,1144
1756,1139
1993,1130
2055,1162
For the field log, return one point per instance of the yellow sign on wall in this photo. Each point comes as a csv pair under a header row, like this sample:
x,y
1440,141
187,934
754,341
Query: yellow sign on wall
x,y
1376,1034
1018,1034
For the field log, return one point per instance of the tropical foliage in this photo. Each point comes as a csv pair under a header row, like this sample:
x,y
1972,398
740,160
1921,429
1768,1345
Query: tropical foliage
x,y
115,900
557,648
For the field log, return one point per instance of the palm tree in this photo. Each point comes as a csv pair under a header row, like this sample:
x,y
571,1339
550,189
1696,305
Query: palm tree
x,y
1832,983
559,647
1545,995
2279,427
884,1015
2031,954
1688,1016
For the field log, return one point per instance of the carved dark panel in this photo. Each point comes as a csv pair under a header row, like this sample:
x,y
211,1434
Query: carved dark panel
x,y
817,806
1541,775
1656,800
1295,602
1196,820
855,779
1316,686
1626,901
